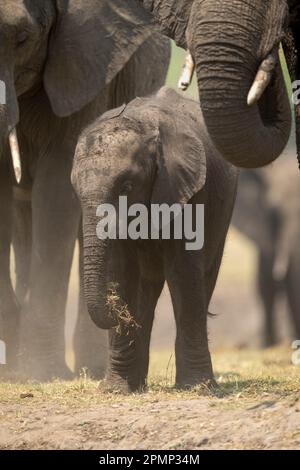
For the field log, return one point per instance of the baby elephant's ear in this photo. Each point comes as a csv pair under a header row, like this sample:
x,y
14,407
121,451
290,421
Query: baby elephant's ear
x,y
181,156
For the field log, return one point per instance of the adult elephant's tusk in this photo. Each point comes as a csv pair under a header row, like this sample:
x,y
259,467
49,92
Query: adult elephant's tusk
x,y
263,77
186,76
15,154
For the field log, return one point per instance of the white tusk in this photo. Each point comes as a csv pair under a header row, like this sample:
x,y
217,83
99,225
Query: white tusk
x,y
186,76
15,154
263,78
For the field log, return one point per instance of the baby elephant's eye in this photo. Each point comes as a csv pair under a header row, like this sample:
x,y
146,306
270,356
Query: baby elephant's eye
x,y
22,38
126,188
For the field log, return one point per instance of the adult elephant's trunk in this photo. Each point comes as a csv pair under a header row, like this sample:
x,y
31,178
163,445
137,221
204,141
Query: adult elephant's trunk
x,y
96,261
9,118
227,41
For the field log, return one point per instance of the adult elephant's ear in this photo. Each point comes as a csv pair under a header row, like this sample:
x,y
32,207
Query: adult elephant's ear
x,y
173,17
91,42
181,160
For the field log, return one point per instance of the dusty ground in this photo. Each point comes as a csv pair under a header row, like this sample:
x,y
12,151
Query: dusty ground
x,y
257,406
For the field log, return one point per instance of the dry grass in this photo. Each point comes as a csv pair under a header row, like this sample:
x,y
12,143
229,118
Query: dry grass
x,y
241,375
119,310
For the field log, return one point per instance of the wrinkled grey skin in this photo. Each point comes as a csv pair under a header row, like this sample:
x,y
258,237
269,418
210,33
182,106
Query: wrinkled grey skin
x,y
291,46
156,150
228,41
267,211
64,63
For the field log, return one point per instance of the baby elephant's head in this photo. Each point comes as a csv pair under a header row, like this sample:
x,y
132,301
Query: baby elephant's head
x,y
149,151
114,157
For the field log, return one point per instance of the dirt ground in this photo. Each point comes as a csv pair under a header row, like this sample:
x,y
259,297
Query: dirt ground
x,y
179,425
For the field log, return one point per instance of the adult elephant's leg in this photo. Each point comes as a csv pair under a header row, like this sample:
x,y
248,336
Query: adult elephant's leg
x,y
267,290
90,342
22,239
186,280
9,308
293,292
56,215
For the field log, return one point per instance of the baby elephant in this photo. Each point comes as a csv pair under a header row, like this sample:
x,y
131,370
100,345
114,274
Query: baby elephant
x,y
153,153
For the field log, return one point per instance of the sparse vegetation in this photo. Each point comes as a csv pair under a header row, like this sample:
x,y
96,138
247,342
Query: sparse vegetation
x,y
256,405
241,375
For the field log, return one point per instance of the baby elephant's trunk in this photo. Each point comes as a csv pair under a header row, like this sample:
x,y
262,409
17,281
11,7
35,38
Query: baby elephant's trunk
x,y
95,275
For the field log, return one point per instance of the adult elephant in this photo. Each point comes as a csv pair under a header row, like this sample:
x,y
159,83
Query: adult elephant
x,y
267,211
235,49
63,62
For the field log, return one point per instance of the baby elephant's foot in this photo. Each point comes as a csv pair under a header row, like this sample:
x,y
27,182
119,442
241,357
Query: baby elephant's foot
x,y
204,382
116,384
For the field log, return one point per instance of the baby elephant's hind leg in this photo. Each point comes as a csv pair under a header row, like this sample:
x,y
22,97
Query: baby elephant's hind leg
x,y
185,277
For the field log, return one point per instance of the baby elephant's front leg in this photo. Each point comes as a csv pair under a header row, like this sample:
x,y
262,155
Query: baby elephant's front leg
x,y
129,343
124,368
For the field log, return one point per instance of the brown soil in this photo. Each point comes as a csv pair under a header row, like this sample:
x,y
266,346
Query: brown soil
x,y
167,424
